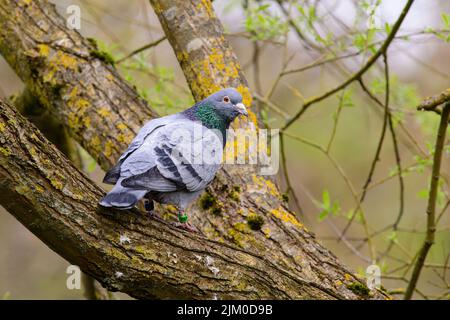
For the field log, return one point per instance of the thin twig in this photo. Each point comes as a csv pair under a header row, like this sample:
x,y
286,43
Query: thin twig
x,y
336,121
143,48
289,189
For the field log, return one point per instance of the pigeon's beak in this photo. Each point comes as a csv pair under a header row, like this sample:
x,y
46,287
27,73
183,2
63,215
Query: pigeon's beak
x,y
241,109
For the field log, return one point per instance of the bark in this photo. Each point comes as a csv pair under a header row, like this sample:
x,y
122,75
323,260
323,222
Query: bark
x,y
240,259
52,129
56,133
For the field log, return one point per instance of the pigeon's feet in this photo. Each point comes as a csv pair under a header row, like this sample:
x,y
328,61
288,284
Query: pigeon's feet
x,y
186,226
149,208
153,215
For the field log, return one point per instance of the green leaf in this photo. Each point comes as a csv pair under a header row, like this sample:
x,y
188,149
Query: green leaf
x,y
322,215
446,18
327,206
326,198
423,194
393,237
387,28
263,7
347,99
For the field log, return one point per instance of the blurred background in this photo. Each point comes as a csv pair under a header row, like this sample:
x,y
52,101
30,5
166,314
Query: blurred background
x,y
290,51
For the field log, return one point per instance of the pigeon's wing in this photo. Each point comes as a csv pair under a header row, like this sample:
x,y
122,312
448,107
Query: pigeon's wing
x,y
113,174
184,153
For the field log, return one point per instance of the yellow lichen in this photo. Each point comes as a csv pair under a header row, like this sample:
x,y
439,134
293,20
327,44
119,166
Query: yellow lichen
x,y
5,151
246,95
2,127
104,112
80,104
23,190
121,126
96,143
265,185
266,232
73,120
236,237
241,227
109,146
57,184
44,50
124,138
286,216
33,151
66,60
87,122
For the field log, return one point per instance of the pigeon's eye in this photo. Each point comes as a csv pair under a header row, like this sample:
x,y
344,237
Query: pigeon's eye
x,y
226,99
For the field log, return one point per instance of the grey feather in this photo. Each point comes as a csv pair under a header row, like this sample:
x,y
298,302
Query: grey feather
x,y
121,197
149,180
113,175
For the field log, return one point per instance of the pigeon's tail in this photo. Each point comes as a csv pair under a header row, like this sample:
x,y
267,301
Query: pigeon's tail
x,y
122,198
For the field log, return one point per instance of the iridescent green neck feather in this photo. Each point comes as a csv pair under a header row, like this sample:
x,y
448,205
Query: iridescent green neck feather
x,y
208,116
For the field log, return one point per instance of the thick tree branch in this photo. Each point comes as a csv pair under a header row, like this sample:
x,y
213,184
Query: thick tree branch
x,y
126,252
103,113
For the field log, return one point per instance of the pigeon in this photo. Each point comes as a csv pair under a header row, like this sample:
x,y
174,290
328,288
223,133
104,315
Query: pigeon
x,y
174,158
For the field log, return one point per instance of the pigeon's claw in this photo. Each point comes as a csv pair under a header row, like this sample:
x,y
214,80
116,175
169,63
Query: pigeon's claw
x,y
149,208
186,226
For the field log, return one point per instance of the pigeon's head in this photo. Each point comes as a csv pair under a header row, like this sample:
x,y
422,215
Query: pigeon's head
x,y
227,103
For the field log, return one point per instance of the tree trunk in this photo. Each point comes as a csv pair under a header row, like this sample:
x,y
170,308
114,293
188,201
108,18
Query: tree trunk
x,y
240,259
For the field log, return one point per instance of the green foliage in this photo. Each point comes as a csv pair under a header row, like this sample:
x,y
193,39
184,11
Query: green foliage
x,y
328,207
444,33
352,214
306,21
392,236
446,19
262,24
347,98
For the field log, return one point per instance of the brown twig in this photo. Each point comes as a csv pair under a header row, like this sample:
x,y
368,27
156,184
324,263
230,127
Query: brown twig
x,y
431,103
431,207
289,189
143,48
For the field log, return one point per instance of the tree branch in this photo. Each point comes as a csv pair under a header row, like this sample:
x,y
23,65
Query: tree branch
x,y
431,207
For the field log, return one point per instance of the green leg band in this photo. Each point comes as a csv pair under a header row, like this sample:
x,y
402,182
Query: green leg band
x,y
182,218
